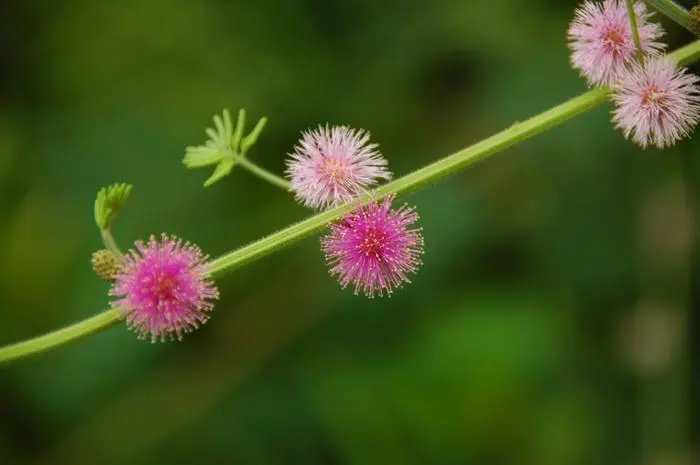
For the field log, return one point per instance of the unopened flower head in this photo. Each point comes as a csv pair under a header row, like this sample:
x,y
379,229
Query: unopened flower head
x,y
163,288
106,264
601,40
656,103
332,165
374,248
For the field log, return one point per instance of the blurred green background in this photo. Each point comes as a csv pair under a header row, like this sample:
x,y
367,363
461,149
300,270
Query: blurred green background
x,y
550,324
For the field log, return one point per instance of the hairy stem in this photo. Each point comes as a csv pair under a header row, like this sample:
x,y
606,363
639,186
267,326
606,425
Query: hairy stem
x,y
263,173
633,27
61,336
419,178
415,180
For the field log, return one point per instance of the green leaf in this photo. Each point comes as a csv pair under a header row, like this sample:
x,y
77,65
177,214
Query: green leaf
x,y
109,202
251,138
238,133
223,146
222,169
198,157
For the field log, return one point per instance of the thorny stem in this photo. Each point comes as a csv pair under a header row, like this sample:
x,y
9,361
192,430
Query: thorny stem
x,y
635,30
412,181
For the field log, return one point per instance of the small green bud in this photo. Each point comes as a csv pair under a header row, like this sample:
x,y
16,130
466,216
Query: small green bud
x,y
109,202
105,264
694,19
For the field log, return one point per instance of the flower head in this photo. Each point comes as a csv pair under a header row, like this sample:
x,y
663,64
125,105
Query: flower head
x,y
334,165
373,247
105,264
656,103
601,41
163,288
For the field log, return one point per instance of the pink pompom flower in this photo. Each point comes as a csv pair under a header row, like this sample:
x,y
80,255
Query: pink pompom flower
x,y
163,288
656,103
332,165
374,248
601,42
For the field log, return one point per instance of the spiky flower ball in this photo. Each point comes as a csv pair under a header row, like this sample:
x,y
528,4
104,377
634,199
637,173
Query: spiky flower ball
x,y
601,40
656,103
164,289
105,264
332,165
374,248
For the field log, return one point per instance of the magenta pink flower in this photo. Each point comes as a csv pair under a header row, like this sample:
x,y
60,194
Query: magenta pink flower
x,y
373,248
333,165
164,288
656,103
601,40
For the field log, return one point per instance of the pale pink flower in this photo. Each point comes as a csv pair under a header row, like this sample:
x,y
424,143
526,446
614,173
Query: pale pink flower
x,y
164,289
601,40
656,103
374,248
333,165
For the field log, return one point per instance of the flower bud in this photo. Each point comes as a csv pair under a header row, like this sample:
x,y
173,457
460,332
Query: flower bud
x,y
105,264
694,19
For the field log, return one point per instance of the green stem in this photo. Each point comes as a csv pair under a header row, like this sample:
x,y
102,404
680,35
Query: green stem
x,y
109,241
263,173
61,336
419,178
635,30
673,11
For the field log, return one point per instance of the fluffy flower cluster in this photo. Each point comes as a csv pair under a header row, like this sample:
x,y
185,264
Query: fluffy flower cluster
x,y
163,288
373,248
656,102
601,40
334,165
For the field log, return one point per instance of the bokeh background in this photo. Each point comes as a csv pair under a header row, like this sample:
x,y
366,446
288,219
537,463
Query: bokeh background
x,y
550,324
